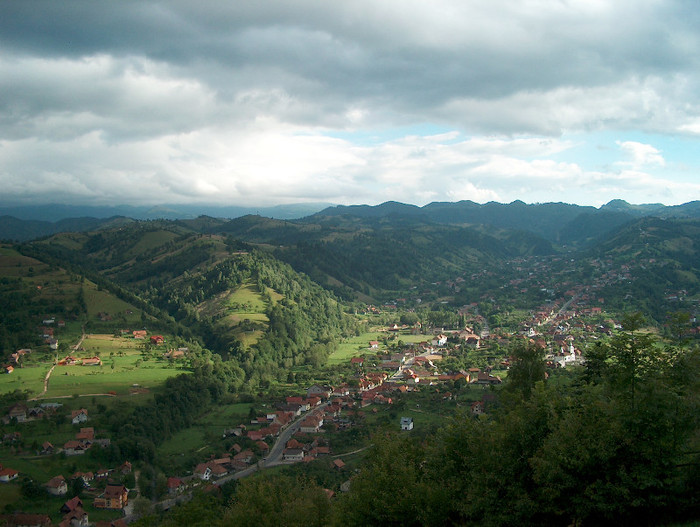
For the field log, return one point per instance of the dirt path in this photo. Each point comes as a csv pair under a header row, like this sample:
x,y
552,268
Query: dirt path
x,y
48,373
80,342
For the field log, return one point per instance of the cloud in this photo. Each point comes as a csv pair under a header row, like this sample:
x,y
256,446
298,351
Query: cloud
x,y
641,155
229,102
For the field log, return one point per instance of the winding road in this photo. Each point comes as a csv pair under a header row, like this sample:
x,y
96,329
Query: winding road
x,y
274,458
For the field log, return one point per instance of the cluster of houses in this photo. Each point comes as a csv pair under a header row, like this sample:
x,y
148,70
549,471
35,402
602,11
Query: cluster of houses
x,y
15,359
21,413
305,449
70,360
114,496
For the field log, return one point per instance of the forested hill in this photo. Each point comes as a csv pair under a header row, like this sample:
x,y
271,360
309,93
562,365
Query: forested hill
x,y
241,302
560,223
370,254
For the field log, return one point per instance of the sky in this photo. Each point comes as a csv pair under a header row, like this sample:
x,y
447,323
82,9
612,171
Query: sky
x,y
278,102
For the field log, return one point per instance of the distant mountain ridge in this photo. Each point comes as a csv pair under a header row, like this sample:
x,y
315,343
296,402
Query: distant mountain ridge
x,y
558,223
55,212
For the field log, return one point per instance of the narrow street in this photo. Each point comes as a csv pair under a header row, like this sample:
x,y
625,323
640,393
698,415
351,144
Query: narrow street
x,y
274,458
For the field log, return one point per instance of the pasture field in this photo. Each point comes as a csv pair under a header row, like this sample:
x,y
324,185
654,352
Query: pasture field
x,y
30,377
359,345
353,347
14,264
242,312
131,366
191,445
103,302
150,241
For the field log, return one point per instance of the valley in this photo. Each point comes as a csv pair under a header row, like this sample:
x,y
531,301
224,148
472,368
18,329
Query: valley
x,y
418,335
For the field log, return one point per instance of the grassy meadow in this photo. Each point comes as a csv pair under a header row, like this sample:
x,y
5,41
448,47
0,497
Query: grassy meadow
x,y
124,364
359,345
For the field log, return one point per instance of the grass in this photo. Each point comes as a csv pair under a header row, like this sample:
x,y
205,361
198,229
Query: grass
x,y
103,302
359,345
242,311
65,381
30,377
150,241
353,347
196,443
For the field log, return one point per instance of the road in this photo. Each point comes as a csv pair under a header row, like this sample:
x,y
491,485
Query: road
x,y
48,374
275,456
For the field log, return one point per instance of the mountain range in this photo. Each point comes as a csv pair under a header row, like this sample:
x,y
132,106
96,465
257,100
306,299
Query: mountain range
x,y
559,223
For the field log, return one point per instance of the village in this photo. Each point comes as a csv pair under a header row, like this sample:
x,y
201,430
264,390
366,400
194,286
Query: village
x,y
382,379
299,428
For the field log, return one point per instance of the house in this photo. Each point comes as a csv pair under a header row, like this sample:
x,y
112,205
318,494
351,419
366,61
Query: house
x,y
439,340
323,392
313,401
477,408
341,391
69,360
25,519
175,486
71,505
8,474
87,477
85,434
373,344
79,416
46,449
203,472
293,454
407,423
157,340
217,470
125,468
115,496
36,412
246,456
139,334
293,443
255,435
338,464
358,361
92,361
18,411
311,424
75,447
75,518
102,473
484,378
57,486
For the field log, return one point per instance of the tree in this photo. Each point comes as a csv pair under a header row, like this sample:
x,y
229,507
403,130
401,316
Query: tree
x,y
527,368
391,488
280,500
632,356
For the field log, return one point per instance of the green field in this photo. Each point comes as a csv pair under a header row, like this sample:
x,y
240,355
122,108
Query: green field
x,y
30,377
359,345
103,302
242,311
193,444
129,368
150,241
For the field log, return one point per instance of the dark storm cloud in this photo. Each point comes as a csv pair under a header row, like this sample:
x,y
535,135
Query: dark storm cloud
x,y
179,95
